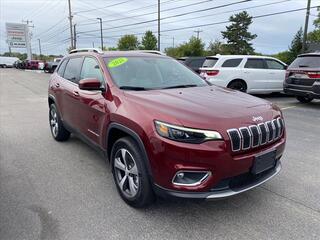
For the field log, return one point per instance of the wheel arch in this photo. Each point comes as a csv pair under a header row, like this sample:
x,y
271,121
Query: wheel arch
x,y
116,131
238,79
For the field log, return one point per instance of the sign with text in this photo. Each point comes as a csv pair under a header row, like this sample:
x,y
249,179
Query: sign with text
x,y
17,35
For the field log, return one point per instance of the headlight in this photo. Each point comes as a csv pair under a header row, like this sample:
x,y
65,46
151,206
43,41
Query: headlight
x,y
183,134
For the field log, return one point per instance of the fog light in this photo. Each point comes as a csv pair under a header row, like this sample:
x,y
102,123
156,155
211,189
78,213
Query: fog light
x,y
190,178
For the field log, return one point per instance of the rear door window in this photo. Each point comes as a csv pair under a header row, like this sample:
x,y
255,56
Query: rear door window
x,y
232,62
255,63
312,61
210,62
62,67
273,64
72,72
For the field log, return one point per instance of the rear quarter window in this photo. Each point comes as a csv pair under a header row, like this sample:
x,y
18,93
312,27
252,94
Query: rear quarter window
x,y
312,61
62,67
232,62
210,62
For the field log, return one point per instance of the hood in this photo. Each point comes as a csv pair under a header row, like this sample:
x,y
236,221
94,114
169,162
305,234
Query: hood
x,y
207,107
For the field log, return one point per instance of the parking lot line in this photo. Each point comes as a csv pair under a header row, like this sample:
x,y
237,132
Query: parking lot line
x,y
285,108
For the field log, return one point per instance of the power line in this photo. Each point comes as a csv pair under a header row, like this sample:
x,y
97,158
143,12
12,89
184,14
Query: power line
x,y
173,16
164,10
99,8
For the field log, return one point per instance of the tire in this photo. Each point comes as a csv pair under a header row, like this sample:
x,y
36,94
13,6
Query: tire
x,y
59,133
304,99
239,85
130,173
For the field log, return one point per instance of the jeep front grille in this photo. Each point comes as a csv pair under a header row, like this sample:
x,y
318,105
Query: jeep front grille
x,y
255,135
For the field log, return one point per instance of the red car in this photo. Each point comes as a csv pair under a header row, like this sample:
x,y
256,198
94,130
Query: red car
x,y
164,130
34,64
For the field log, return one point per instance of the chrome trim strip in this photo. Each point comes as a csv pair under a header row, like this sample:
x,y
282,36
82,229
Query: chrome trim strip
x,y
232,130
242,138
208,174
229,193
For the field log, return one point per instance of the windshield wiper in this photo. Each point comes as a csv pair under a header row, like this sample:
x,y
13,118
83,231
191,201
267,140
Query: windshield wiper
x,y
133,88
181,86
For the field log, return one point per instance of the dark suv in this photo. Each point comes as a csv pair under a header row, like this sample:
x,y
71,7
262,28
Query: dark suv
x,y
164,130
303,77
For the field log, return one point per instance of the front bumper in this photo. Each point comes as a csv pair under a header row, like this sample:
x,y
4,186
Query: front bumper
x,y
229,189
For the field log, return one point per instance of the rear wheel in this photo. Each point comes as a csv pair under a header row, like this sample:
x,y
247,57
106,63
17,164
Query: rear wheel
x,y
304,99
130,173
239,85
58,131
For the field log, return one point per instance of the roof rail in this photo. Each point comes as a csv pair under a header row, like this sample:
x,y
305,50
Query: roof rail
x,y
77,50
150,51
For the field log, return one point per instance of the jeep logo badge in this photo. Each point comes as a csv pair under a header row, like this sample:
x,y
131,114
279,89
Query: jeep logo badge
x,y
257,119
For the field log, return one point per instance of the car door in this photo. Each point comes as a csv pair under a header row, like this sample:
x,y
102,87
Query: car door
x,y
92,108
255,74
276,74
71,96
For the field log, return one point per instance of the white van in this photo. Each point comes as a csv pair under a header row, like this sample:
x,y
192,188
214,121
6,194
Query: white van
x,y
7,61
246,73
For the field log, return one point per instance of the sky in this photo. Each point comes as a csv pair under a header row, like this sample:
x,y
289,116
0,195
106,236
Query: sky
x,y
181,18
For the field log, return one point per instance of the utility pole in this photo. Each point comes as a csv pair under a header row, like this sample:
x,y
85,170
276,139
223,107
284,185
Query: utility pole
x,y
28,38
158,25
40,48
304,43
172,42
70,22
101,34
93,44
74,36
198,33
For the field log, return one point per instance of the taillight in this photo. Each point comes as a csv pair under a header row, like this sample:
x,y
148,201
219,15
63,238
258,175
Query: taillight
x,y
209,73
313,74
287,74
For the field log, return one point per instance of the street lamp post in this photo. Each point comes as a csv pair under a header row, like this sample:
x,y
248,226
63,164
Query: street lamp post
x,y
101,34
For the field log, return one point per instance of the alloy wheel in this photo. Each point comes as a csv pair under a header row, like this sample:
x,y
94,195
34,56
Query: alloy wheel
x,y
54,122
126,173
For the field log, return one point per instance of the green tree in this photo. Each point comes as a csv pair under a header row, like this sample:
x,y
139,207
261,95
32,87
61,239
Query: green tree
x,y
284,56
314,36
149,41
194,47
296,45
128,42
237,34
217,47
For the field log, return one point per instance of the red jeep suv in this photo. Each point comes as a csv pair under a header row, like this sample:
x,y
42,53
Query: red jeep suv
x,y
165,130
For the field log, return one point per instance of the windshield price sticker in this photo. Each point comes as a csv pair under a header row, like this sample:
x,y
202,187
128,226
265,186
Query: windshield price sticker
x,y
117,62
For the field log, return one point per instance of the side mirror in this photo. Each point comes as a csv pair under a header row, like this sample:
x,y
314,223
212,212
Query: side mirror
x,y
90,84
285,67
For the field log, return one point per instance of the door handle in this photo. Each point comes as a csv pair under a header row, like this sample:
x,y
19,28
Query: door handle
x,y
57,85
76,93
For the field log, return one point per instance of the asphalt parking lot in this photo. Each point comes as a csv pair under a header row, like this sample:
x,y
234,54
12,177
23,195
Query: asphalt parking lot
x,y
51,190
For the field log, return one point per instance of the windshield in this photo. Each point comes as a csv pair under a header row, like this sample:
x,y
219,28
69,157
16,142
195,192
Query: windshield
x,y
146,73
312,61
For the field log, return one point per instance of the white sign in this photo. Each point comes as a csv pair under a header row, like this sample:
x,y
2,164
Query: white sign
x,y
17,35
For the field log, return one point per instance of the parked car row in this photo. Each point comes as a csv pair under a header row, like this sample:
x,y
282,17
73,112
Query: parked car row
x,y
261,74
246,73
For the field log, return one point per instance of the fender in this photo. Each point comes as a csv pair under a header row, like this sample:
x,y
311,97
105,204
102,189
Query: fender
x,y
137,138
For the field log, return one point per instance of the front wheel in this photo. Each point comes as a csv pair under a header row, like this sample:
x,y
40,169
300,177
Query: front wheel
x,y
130,173
304,99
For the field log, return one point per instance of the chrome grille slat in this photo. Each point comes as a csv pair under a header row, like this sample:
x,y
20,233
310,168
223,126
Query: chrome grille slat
x,y
254,136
